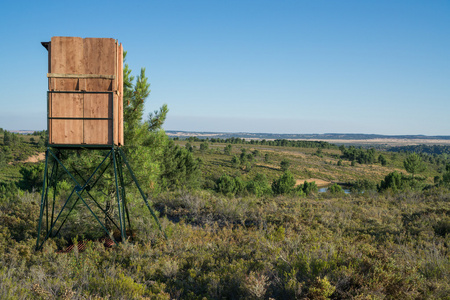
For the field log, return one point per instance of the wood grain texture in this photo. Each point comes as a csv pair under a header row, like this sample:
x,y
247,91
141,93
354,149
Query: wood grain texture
x,y
99,58
77,76
66,57
67,105
67,132
92,65
97,132
120,94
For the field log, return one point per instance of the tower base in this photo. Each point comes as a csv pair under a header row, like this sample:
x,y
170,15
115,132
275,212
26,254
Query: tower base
x,y
54,213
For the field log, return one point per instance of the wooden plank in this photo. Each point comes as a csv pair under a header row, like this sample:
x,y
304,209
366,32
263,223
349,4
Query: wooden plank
x,y
99,57
116,98
65,131
49,64
120,90
68,132
49,114
67,105
66,58
76,76
97,106
97,132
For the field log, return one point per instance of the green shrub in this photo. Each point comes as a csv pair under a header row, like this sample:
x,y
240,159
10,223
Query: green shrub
x,y
335,189
259,185
442,227
363,185
285,164
226,185
32,176
394,181
307,188
284,184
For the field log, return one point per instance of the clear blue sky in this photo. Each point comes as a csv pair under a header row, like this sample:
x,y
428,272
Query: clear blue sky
x,y
251,66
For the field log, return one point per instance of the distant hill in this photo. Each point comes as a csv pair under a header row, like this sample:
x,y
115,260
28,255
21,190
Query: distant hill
x,y
22,131
324,136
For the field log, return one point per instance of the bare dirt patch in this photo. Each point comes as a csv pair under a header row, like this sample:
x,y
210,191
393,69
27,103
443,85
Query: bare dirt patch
x,y
35,158
319,182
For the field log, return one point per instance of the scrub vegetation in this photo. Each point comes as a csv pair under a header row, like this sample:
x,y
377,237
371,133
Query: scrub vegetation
x,y
256,229
243,219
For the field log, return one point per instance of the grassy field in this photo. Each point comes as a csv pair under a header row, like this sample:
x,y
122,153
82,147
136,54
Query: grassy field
x,y
14,156
374,245
369,246
306,164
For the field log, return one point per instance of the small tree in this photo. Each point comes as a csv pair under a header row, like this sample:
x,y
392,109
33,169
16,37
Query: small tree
x,y
179,168
308,188
226,185
244,155
227,149
204,147
235,161
284,184
32,177
446,178
258,185
285,163
188,147
319,152
6,138
335,189
247,166
413,164
394,181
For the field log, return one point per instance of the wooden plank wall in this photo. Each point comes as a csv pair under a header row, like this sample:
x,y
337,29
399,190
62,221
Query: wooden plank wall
x,y
120,95
89,56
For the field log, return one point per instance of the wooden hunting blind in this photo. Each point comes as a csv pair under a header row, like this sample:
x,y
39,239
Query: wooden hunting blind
x,y
85,91
85,113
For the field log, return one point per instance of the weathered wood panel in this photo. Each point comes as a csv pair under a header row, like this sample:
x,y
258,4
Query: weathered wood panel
x,y
99,58
120,94
97,131
67,105
116,103
97,106
99,62
66,57
67,132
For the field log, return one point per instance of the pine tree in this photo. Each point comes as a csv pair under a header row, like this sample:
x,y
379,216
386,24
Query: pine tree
x,y
145,141
283,184
413,164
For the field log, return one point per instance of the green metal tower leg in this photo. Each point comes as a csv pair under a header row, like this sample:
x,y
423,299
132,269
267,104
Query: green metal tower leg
x,y
57,215
122,225
42,198
142,193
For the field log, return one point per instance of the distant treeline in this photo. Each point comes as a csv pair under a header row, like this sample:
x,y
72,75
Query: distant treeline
x,y
427,149
362,156
277,142
334,136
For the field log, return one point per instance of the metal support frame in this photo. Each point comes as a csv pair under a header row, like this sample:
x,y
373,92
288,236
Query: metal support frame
x,y
52,225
